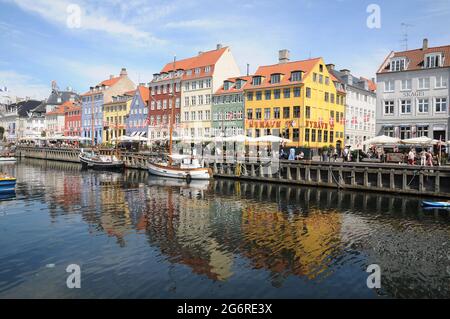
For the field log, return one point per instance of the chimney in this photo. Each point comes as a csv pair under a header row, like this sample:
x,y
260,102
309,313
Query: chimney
x,y
283,56
91,89
330,66
141,84
123,72
111,76
425,44
219,46
200,52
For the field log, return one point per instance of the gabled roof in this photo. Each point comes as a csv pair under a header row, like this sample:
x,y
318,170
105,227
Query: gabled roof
x,y
233,80
285,69
355,81
416,58
208,58
63,95
144,93
24,107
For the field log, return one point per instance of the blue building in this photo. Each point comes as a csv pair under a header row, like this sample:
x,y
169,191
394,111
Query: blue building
x,y
95,98
136,122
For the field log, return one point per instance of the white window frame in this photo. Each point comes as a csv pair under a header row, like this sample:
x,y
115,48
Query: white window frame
x,y
443,81
440,103
393,107
401,106
422,82
419,105
407,88
388,87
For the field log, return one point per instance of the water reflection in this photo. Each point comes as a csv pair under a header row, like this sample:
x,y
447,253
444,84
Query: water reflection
x,y
277,240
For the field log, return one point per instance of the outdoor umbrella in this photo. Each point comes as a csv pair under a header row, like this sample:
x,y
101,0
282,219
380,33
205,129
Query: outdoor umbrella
x,y
382,140
423,140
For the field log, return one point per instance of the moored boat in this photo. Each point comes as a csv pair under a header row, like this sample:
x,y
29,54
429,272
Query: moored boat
x,y
189,169
101,162
7,183
436,204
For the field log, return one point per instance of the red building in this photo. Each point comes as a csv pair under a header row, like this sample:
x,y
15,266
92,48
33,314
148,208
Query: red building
x,y
161,100
72,119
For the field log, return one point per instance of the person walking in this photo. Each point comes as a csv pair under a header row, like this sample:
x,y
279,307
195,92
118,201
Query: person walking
x,y
423,158
411,157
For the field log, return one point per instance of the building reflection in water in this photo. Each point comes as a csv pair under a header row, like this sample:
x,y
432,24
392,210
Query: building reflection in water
x,y
288,231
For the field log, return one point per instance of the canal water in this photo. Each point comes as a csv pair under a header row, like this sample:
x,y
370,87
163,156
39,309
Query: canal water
x,y
138,236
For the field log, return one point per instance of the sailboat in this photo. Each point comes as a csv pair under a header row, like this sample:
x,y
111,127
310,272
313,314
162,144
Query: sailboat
x,y
98,161
179,166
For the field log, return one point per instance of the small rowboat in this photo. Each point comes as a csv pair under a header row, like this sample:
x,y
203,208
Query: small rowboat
x,y
7,183
436,204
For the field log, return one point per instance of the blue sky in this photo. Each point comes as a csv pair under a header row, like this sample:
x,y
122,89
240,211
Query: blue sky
x,y
37,46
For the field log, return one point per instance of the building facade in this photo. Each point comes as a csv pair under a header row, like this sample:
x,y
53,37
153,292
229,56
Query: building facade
x,y
55,120
300,101
202,77
14,117
95,98
72,120
137,120
114,116
360,107
162,97
228,108
413,93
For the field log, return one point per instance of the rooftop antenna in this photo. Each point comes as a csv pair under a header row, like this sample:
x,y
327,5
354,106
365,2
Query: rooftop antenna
x,y
404,40
248,69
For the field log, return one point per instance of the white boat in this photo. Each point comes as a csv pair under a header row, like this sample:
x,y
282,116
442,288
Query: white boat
x,y
95,161
189,169
7,159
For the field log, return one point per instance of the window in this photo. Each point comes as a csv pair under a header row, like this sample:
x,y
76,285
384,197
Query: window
x,y
250,114
276,112
422,130
325,136
308,92
276,94
208,99
308,112
327,82
422,105
296,92
207,69
398,64
286,112
200,115
287,93
307,130
406,85
388,107
193,100
275,78
267,94
313,135
194,85
193,116
208,83
424,83
259,95
319,136
389,86
186,86
327,97
186,101
256,80
200,99
296,112
267,113
207,115
433,60
295,134
441,104
441,82
320,78
258,114
405,132
331,136
405,106
250,96
296,76
388,131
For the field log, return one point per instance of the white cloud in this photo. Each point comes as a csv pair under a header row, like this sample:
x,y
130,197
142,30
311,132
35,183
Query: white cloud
x,y
197,23
23,85
92,19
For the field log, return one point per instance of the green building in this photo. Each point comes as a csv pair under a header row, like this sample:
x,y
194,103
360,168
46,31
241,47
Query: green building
x,y
228,107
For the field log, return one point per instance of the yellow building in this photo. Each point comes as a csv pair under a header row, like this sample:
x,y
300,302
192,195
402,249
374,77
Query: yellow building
x,y
297,100
114,116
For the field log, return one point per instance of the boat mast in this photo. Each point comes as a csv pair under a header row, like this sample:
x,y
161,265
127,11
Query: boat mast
x,y
172,116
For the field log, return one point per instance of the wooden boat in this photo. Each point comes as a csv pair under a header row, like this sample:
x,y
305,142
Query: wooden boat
x,y
436,204
188,169
7,183
101,162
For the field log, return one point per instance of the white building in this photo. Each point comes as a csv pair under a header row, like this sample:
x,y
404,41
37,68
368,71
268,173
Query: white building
x,y
360,107
413,93
54,120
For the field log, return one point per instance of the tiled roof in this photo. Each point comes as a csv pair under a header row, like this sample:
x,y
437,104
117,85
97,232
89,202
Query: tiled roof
x,y
416,58
208,58
58,110
372,85
144,92
233,89
109,82
285,69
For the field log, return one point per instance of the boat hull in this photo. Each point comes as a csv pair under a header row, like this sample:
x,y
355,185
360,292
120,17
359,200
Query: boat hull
x,y
7,159
435,204
180,173
100,165
7,185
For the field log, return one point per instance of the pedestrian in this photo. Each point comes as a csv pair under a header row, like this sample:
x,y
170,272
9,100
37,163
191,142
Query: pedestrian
x,y
423,158
345,154
411,157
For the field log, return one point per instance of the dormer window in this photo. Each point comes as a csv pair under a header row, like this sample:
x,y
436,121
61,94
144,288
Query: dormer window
x,y
433,60
197,70
398,64
207,69
296,76
239,84
188,72
256,80
275,78
226,85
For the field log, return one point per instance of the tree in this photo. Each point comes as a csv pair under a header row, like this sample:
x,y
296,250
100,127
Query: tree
x,y
2,131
